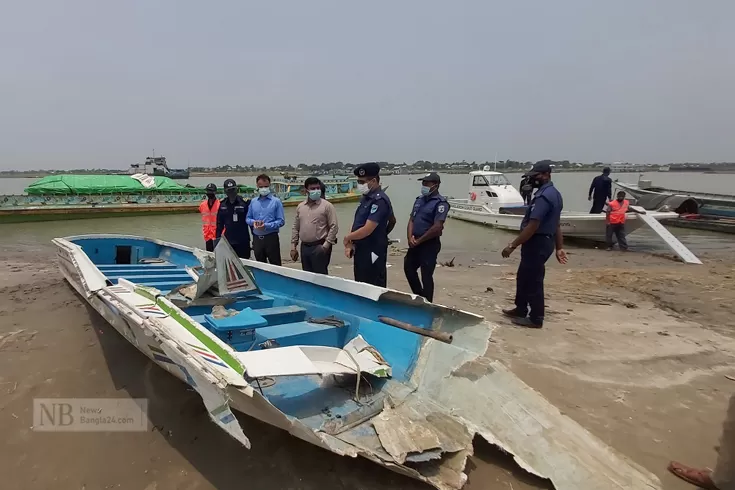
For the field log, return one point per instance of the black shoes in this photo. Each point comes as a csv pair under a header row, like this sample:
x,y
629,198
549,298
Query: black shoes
x,y
526,322
513,313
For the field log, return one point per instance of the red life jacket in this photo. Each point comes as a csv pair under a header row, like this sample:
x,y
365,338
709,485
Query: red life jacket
x,y
209,219
617,211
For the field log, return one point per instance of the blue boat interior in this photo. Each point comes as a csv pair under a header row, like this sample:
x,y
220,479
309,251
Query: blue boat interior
x,y
287,312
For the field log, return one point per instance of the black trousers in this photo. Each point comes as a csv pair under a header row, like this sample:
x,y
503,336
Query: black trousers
x,y
368,270
530,277
422,257
619,231
314,258
527,198
241,249
597,206
210,245
267,248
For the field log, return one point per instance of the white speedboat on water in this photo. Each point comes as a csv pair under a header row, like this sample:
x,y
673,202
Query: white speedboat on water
x,y
493,201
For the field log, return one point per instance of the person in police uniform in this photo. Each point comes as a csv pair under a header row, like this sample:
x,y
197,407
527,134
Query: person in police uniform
x,y
540,235
233,210
425,226
367,243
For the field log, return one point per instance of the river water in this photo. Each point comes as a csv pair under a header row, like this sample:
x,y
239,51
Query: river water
x,y
466,241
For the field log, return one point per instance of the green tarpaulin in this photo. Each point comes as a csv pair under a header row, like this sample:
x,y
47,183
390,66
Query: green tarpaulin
x,y
101,184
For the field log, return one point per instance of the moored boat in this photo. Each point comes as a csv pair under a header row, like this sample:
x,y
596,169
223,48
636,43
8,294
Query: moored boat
x,y
64,197
494,202
290,188
157,166
710,204
352,368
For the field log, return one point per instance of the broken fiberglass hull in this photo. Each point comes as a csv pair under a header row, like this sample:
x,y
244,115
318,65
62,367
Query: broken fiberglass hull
x,y
283,359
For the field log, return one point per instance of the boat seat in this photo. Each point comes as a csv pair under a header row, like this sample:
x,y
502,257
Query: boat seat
x,y
282,314
246,318
143,279
164,286
104,267
297,333
273,316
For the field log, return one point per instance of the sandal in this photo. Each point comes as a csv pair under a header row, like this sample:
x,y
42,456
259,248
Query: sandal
x,y
700,478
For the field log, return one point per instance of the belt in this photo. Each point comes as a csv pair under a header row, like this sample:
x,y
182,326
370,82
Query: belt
x,y
261,237
314,244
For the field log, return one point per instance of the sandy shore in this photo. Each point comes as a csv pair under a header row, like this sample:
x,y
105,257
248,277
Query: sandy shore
x,y
635,348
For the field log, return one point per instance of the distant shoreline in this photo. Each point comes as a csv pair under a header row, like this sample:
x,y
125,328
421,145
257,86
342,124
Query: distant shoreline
x,y
40,174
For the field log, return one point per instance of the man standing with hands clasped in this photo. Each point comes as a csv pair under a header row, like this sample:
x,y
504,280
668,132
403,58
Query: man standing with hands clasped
x,y
265,216
367,243
540,234
316,227
425,226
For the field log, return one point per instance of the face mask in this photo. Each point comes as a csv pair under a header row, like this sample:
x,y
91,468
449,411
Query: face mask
x,y
536,182
315,194
210,195
264,191
231,193
425,190
363,188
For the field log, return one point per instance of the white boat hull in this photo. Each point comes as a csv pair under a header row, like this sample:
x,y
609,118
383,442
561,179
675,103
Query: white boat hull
x,y
573,224
496,405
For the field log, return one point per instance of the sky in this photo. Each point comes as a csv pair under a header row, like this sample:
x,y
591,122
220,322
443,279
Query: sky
x,y
100,84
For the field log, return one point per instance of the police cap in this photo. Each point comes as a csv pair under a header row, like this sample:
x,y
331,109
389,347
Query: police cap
x,y
211,188
230,184
539,168
370,169
432,177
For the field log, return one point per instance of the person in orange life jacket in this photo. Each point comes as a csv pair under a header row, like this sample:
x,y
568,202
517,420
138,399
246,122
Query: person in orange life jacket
x,y
208,209
615,212
231,223
540,234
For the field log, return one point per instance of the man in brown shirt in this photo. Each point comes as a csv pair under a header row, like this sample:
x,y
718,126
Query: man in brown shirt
x,y
316,227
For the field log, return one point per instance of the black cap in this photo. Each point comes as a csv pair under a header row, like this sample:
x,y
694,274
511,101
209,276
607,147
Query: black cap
x,y
432,177
211,188
370,169
539,168
230,184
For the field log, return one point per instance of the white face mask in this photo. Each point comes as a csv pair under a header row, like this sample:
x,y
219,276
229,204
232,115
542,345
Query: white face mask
x,y
363,188
264,191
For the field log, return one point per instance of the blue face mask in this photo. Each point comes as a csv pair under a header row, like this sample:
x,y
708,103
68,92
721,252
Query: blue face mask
x,y
425,190
264,191
315,194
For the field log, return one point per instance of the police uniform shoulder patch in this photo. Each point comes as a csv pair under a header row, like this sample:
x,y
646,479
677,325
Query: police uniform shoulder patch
x,y
440,208
373,208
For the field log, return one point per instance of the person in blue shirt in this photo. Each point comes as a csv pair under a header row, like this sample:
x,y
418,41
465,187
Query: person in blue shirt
x,y
425,226
367,243
540,234
265,217
231,220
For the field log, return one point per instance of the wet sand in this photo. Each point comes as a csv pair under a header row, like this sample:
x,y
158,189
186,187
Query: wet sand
x,y
635,348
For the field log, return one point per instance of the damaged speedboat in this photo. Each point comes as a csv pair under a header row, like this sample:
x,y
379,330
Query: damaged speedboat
x,y
352,368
